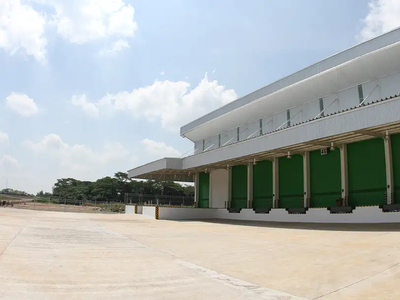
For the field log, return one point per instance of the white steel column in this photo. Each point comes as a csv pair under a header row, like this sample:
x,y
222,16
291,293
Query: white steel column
x,y
389,169
229,187
196,189
344,174
306,176
210,187
250,185
275,182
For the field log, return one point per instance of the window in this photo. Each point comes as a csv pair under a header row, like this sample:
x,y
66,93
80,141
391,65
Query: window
x,y
261,127
288,117
219,140
360,93
321,107
204,145
238,134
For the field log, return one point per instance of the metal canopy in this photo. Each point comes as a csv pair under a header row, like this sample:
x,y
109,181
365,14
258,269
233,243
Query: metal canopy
x,y
311,85
338,140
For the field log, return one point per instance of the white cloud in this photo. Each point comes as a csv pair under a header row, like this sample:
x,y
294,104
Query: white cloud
x,y
9,165
89,108
3,137
159,149
115,47
173,103
383,16
162,73
81,21
22,28
22,104
77,156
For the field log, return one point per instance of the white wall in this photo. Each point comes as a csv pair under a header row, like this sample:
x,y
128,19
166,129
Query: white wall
x,y
311,110
329,105
219,180
228,135
349,98
362,215
212,143
129,209
371,89
390,85
184,213
244,132
279,119
268,124
149,211
198,146
296,115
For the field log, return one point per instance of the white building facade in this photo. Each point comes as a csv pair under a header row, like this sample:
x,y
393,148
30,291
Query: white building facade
x,y
327,136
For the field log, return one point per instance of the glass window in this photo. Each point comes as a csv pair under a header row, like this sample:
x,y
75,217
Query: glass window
x,y
261,127
288,117
360,93
321,107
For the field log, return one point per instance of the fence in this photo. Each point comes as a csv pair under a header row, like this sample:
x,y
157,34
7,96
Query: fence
x,y
161,200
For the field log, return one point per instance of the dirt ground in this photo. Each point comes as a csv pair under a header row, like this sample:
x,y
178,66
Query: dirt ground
x,y
57,207
56,255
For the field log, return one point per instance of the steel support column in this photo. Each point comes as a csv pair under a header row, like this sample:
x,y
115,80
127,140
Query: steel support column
x,y
389,169
229,187
275,183
249,185
196,189
306,176
210,198
344,174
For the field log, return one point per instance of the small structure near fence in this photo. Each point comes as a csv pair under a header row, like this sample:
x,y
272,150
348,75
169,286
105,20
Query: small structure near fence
x,y
161,200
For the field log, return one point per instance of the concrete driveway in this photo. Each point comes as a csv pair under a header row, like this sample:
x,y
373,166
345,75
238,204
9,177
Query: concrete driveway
x,y
52,255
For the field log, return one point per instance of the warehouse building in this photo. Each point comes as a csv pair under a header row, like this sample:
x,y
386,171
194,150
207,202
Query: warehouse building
x,y
327,136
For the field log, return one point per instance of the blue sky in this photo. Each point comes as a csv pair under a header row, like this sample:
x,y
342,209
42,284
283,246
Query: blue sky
x,y
89,88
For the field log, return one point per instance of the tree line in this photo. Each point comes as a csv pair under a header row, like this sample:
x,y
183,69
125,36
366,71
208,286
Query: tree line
x,y
113,188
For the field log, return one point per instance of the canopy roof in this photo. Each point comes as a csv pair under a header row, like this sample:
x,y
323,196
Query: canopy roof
x,y
362,63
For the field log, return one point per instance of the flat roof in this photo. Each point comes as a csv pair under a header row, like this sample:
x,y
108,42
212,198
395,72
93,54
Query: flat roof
x,y
296,78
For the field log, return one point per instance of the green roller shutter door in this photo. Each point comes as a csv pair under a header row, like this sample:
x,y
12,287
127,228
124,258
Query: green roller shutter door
x,y
325,178
396,166
262,184
291,185
366,172
239,187
204,190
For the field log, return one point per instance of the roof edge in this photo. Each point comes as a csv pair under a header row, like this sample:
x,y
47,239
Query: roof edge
x,y
274,86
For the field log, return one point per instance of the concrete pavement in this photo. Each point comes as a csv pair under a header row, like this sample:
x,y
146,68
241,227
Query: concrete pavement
x,y
51,255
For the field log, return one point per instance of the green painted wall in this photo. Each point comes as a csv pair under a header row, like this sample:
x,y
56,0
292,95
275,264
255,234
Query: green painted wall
x,y
396,166
367,172
262,184
325,178
204,190
239,187
291,185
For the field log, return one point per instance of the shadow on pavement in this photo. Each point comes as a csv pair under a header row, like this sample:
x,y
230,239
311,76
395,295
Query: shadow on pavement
x,y
308,226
